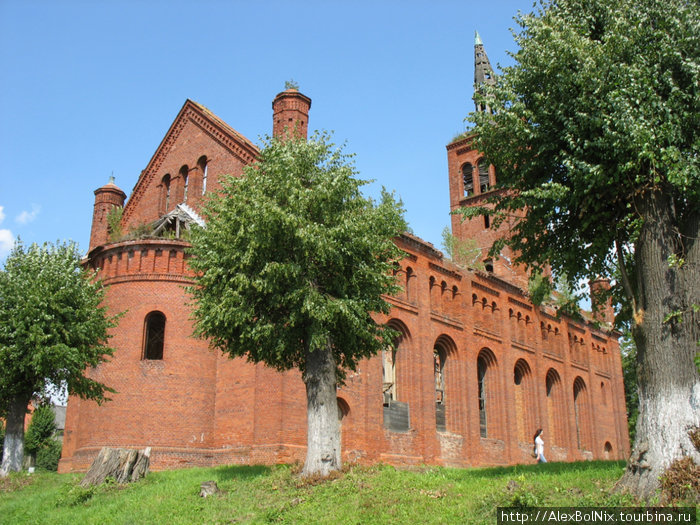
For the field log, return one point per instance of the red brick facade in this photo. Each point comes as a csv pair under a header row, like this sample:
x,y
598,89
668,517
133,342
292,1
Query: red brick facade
x,y
478,369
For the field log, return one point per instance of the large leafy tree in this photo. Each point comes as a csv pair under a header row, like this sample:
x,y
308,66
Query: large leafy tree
x,y
291,263
53,327
596,134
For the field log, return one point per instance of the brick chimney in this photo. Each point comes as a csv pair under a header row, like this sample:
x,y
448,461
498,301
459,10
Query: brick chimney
x,y
107,197
290,114
601,302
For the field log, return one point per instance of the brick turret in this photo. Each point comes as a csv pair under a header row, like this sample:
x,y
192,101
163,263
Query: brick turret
x,y
290,114
107,197
601,302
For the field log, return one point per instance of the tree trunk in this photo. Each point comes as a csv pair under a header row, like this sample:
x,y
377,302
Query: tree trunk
x,y
666,334
13,448
124,465
323,428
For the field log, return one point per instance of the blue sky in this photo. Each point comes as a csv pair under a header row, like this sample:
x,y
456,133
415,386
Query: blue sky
x,y
88,89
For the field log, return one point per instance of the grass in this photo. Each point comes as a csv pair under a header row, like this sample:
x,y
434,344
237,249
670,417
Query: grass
x,y
360,495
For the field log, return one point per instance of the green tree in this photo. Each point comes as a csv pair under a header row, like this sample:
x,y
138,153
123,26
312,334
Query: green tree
x,y
291,263
463,252
52,329
596,133
41,429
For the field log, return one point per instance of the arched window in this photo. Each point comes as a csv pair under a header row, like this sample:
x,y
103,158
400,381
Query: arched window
x,y
396,413
524,401
184,175
556,414
440,352
581,413
154,336
389,375
484,176
439,358
410,284
485,365
202,164
467,177
165,194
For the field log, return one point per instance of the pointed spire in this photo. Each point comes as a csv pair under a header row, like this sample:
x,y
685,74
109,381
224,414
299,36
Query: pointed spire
x,y
483,72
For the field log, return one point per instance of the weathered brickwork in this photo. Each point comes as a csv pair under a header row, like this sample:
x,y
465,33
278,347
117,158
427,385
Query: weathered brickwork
x,y
477,370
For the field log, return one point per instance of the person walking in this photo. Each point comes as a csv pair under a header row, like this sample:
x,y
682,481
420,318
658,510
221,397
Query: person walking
x,y
539,446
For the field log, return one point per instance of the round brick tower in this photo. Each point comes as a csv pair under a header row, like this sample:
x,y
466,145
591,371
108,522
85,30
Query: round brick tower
x,y
107,197
290,114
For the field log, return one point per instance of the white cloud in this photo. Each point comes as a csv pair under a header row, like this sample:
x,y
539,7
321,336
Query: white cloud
x,y
28,216
2,214
7,241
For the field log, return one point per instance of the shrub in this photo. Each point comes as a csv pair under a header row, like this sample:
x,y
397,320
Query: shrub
x,y
41,429
48,455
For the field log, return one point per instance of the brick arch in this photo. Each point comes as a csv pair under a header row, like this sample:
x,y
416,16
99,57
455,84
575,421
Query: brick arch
x,y
394,363
556,408
524,393
582,414
488,397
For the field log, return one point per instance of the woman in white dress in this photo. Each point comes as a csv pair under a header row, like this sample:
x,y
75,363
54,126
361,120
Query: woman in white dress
x,y
539,446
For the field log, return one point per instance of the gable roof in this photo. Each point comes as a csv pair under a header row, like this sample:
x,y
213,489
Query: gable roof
x,y
238,145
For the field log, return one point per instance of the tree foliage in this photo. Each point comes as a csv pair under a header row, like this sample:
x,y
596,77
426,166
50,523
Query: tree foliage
x,y
293,255
595,133
290,267
52,324
602,105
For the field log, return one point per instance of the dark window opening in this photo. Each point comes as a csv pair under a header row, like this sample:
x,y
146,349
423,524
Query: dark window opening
x,y
155,336
468,180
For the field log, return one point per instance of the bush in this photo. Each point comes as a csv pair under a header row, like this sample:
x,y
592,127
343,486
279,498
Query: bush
x,y
48,455
41,429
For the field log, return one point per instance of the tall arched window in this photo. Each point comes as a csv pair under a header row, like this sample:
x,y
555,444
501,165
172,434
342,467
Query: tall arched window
x,y
484,176
524,401
556,414
467,178
165,193
485,365
154,336
439,360
184,175
202,164
581,413
389,375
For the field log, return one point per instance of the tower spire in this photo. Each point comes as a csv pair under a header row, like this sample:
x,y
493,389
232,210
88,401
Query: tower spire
x,y
483,72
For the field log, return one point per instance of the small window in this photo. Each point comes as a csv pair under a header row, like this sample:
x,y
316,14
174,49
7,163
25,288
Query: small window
x,y
487,221
154,336
488,265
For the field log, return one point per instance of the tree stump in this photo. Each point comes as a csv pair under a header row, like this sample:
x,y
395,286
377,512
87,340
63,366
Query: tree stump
x,y
209,488
124,465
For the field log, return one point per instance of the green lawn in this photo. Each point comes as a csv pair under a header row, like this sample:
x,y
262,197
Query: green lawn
x,y
361,495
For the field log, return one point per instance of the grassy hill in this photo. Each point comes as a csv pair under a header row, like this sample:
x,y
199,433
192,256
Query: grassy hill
x,y
360,495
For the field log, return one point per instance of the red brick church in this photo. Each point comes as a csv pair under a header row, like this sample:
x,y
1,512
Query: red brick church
x,y
477,370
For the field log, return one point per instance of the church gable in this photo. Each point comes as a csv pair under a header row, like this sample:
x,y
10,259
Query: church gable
x,y
198,149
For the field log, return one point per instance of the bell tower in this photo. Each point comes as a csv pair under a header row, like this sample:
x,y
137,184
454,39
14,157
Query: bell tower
x,y
472,180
